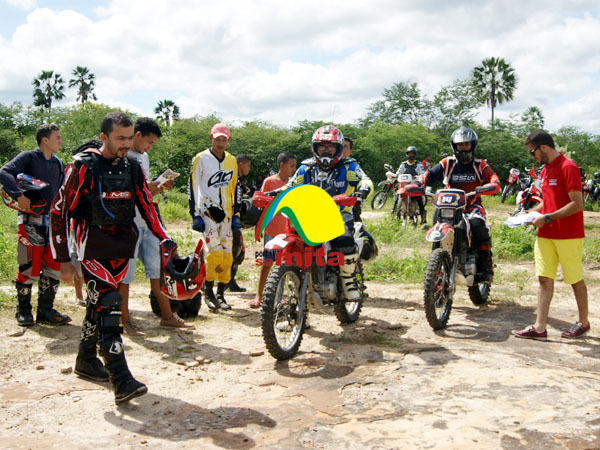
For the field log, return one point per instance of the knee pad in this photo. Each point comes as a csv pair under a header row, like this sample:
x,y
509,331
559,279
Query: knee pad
x,y
110,313
344,244
480,232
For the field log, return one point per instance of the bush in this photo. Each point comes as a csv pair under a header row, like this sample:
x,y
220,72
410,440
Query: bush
x,y
512,243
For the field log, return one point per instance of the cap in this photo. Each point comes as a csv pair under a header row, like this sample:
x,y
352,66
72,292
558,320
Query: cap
x,y
219,129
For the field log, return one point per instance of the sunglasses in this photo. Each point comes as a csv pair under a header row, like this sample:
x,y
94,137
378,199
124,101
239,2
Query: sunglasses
x,y
532,151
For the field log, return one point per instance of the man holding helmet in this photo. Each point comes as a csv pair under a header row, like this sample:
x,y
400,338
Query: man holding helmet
x,y
336,174
464,171
33,251
412,167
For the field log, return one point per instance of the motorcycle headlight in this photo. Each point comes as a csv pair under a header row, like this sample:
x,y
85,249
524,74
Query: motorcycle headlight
x,y
446,213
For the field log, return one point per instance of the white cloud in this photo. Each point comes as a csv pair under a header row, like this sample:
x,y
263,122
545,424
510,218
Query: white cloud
x,y
289,61
25,5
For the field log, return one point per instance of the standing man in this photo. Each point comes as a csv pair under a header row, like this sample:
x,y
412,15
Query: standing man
x,y
211,192
34,255
287,167
238,250
147,133
559,237
101,190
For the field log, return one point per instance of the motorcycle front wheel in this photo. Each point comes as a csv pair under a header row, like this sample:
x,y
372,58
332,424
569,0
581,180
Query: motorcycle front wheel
x,y
379,199
282,331
479,293
436,298
347,311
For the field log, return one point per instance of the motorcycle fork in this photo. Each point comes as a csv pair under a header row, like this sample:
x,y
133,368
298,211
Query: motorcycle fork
x,y
304,286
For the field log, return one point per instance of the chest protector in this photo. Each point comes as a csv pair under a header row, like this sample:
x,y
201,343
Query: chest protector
x,y
111,200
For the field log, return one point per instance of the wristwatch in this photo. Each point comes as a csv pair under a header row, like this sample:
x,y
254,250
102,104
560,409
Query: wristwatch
x,y
547,218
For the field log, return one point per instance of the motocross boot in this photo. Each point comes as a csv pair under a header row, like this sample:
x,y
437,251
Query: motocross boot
x,y
485,267
209,296
87,364
423,218
46,312
23,313
221,296
349,286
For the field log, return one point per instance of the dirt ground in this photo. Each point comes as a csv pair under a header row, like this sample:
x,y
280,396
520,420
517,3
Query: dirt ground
x,y
387,381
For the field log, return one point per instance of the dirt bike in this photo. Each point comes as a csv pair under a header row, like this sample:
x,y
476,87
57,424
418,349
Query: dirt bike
x,y
452,261
513,184
532,195
306,277
407,208
385,187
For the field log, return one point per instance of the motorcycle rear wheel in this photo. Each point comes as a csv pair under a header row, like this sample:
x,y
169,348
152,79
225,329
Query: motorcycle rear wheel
x,y
479,293
280,310
347,311
436,295
379,199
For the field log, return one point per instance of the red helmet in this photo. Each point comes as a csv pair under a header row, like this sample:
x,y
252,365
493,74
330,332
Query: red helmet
x,y
31,187
181,278
328,134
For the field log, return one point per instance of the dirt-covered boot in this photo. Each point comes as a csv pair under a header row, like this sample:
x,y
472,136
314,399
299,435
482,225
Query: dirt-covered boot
x,y
46,313
221,296
423,218
209,296
485,267
23,313
124,385
87,364
349,286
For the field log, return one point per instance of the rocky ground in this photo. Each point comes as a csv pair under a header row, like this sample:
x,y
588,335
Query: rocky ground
x,y
387,381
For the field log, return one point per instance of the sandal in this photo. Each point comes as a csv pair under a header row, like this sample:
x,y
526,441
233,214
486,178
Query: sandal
x,y
255,303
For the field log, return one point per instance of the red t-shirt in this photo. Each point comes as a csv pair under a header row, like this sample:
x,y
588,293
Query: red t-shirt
x,y
277,225
560,177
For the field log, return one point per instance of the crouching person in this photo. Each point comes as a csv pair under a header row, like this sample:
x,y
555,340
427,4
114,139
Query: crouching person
x,y
102,187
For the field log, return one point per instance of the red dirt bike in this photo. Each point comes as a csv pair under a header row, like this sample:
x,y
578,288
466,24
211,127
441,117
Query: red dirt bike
x,y
532,195
452,261
513,184
406,207
306,277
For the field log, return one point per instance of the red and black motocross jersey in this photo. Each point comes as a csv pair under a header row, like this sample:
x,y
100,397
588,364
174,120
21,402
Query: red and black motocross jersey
x,y
109,241
454,174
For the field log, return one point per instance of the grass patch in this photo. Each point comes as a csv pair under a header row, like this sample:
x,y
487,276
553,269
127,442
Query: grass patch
x,y
398,270
591,249
173,206
5,299
390,231
8,243
381,340
512,243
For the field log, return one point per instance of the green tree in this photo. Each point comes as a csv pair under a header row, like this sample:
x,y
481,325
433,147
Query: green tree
x,y
47,86
401,103
496,81
84,82
533,118
453,106
167,111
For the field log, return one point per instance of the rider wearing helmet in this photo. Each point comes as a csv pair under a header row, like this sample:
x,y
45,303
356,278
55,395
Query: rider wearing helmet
x,y
464,171
34,255
336,174
414,168
596,186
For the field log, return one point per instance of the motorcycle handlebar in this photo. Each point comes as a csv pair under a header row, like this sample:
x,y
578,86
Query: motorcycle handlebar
x,y
262,200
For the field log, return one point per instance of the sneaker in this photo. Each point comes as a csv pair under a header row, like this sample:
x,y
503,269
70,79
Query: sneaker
x,y
132,330
575,331
80,302
223,304
174,322
530,333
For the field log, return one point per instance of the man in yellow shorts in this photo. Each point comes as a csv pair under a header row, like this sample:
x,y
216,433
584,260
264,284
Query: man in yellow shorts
x,y
560,235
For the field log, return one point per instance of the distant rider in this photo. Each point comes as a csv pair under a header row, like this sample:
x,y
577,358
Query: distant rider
x,y
413,167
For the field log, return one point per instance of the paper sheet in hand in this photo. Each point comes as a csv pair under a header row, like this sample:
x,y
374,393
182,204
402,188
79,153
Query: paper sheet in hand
x,y
166,176
522,219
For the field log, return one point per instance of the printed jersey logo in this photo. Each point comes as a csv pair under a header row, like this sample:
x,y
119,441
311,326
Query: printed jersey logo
x,y
312,211
464,177
220,179
116,195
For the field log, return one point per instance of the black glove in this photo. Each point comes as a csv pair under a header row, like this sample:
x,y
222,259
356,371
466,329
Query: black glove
x,y
360,194
216,214
272,193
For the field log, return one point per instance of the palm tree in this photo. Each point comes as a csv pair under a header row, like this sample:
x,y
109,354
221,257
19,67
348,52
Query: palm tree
x,y
84,81
47,86
496,81
167,111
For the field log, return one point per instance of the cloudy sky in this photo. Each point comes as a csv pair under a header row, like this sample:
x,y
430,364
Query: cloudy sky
x,y
285,61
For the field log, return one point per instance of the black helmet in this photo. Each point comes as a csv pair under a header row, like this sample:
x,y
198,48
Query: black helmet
x,y
411,149
249,213
464,134
596,175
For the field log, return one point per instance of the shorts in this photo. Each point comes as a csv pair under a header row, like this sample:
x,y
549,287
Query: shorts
x,y
568,252
147,249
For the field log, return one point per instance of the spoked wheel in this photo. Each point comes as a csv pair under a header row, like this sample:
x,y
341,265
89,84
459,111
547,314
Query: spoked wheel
x,y
280,309
436,298
479,293
506,192
347,311
395,206
379,199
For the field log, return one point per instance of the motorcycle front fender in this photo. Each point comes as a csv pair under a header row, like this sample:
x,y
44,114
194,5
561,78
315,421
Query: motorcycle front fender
x,y
382,184
443,233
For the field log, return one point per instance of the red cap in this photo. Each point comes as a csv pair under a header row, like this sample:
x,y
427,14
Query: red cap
x,y
219,129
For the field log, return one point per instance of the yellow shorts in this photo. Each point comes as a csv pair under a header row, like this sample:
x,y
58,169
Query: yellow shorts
x,y
568,252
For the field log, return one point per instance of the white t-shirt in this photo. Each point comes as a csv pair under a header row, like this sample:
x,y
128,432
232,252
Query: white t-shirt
x,y
144,161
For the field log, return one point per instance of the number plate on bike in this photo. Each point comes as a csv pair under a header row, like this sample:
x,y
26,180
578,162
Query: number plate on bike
x,y
446,198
